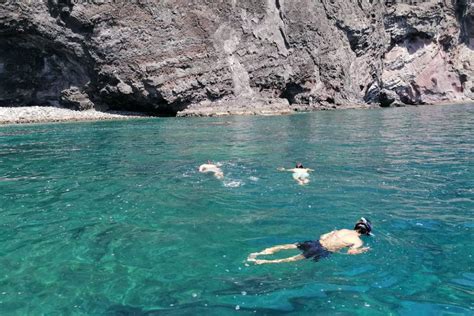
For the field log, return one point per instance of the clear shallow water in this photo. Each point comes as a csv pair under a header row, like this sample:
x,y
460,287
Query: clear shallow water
x,y
112,218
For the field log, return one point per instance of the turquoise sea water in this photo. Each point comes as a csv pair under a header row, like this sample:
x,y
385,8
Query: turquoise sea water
x,y
112,218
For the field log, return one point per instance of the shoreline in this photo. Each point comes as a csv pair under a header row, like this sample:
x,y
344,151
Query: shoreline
x,y
262,110
49,114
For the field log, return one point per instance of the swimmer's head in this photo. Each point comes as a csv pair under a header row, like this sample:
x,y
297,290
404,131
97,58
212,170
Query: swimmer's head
x,y
363,226
299,165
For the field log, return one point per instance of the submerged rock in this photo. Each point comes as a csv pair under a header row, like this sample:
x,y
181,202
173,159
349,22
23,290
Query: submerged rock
x,y
190,57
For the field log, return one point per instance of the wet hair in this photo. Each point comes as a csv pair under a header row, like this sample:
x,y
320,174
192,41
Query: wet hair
x,y
299,165
363,226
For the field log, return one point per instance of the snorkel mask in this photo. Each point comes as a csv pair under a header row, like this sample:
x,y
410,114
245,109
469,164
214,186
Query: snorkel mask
x,y
364,225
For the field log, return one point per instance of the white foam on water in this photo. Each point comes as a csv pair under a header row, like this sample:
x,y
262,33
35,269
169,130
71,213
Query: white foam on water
x,y
254,179
233,183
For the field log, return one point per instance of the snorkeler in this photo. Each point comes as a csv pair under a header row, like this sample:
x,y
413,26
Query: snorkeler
x,y
327,244
300,173
214,168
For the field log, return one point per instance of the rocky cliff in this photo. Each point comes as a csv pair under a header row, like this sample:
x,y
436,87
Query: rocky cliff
x,y
172,57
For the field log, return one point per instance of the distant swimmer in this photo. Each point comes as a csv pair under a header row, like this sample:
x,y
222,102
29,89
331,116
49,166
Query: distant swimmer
x,y
324,246
300,173
214,168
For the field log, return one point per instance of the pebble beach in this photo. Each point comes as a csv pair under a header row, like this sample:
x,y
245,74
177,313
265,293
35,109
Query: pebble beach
x,y
44,114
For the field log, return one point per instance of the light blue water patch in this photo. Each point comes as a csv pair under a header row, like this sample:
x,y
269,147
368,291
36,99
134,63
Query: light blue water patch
x,y
467,280
428,309
113,218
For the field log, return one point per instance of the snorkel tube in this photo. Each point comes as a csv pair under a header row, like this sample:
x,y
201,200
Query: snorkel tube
x,y
364,226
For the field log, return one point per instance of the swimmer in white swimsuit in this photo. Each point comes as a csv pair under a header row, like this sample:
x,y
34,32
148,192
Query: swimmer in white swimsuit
x,y
214,168
300,173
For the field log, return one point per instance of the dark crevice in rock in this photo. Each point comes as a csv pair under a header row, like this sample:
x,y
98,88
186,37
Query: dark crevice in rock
x,y
330,100
291,90
463,79
165,111
357,38
385,100
447,43
118,95
410,40
287,45
403,27
464,11
359,4
282,31
277,4
161,109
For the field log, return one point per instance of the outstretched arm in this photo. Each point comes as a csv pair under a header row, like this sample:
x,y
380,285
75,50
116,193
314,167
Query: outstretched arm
x,y
284,169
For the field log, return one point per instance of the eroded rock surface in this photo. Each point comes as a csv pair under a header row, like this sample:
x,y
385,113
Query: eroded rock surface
x,y
194,56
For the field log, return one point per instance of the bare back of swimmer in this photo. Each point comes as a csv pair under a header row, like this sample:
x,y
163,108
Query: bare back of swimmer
x,y
327,244
212,168
300,173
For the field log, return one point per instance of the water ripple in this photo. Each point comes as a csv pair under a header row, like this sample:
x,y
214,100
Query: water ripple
x,y
113,217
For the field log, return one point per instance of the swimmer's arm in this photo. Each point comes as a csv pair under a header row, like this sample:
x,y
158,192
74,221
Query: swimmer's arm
x,y
357,248
284,169
290,259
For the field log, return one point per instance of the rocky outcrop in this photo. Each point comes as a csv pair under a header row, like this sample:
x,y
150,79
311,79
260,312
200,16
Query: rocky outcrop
x,y
75,99
190,56
425,62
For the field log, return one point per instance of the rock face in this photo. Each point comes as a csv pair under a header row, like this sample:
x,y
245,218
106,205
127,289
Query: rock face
x,y
184,56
